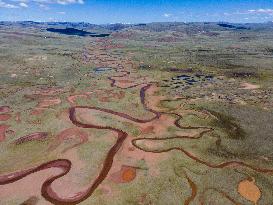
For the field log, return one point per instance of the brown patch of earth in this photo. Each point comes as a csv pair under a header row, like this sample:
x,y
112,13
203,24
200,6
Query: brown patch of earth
x,y
48,91
4,109
70,133
42,93
125,81
104,99
44,104
71,185
3,129
38,136
31,201
72,99
28,186
249,86
132,156
18,117
37,111
106,95
66,187
249,190
63,115
158,126
5,117
91,116
153,100
147,130
126,174
144,199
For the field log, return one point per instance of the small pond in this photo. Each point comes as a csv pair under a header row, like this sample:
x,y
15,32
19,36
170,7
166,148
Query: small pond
x,y
186,81
102,70
76,32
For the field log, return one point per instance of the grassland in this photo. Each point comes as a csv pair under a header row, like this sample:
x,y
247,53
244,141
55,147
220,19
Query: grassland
x,y
192,101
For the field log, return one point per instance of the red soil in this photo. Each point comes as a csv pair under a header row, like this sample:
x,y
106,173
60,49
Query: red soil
x,y
38,136
4,109
109,95
44,104
147,130
3,129
72,99
49,91
18,117
5,117
124,175
33,200
37,111
68,134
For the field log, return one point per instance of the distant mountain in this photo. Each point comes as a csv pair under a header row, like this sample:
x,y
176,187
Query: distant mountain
x,y
188,28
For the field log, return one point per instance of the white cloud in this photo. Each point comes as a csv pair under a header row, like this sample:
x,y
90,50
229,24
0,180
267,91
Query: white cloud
x,y
64,2
13,4
252,13
22,4
7,5
261,11
43,6
43,2
61,12
166,15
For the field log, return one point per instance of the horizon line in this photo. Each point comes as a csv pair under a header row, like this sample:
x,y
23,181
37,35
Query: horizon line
x,y
186,22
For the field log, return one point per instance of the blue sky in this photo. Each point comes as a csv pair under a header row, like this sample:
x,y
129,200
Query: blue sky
x,y
137,11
